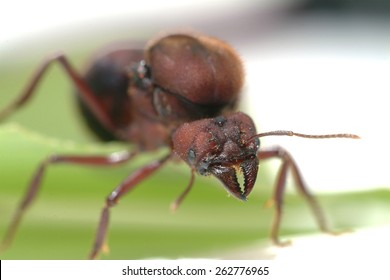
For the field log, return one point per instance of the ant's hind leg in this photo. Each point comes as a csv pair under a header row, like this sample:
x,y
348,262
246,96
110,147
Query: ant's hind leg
x,y
86,92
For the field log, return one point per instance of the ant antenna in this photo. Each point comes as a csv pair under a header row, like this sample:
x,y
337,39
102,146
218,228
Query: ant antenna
x,y
291,133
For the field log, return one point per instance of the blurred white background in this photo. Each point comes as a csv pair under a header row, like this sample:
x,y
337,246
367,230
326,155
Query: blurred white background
x,y
309,69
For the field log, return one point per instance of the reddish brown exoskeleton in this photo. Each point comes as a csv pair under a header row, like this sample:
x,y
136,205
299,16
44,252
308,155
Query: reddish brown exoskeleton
x,y
181,93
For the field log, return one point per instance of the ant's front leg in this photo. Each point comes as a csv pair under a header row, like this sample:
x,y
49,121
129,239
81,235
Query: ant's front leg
x,y
127,185
288,163
35,184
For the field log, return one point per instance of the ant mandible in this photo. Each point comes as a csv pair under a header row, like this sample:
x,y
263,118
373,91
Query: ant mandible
x,y
180,92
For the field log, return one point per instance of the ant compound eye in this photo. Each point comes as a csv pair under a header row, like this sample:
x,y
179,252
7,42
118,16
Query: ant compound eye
x,y
220,120
255,144
191,156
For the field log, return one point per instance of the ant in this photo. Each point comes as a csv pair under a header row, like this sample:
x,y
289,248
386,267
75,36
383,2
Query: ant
x,y
180,92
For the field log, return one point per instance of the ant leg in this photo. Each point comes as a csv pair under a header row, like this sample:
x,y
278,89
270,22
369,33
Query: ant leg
x,y
127,185
180,199
288,162
85,91
35,184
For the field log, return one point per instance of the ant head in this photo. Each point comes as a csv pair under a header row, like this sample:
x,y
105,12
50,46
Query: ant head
x,y
221,146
